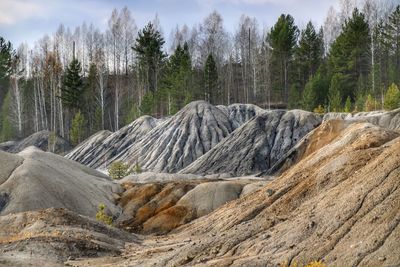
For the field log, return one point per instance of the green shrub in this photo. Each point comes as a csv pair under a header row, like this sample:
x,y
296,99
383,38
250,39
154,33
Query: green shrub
x,y
101,216
320,109
392,98
118,170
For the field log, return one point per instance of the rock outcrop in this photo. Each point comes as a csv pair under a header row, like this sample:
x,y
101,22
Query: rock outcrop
x,y
104,147
256,145
40,140
33,180
159,207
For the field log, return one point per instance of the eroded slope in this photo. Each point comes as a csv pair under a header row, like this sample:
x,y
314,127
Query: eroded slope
x,y
340,204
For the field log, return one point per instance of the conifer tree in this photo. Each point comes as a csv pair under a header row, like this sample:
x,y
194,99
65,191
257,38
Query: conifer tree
x,y
393,41
176,83
335,98
148,49
6,59
309,54
72,89
392,98
283,39
350,54
211,90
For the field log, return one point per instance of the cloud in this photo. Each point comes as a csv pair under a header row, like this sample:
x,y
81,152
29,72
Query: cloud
x,y
14,11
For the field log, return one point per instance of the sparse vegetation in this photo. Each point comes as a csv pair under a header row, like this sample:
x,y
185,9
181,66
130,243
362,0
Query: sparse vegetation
x,y
51,143
118,170
101,215
311,264
138,169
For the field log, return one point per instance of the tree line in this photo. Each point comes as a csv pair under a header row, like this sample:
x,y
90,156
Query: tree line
x,y
74,83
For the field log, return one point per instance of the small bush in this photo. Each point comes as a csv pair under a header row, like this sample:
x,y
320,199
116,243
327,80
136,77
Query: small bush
x,y
101,216
118,170
311,264
320,110
316,264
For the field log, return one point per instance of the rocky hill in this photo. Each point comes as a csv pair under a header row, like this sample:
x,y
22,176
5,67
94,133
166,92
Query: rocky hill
x,y
39,140
166,145
257,145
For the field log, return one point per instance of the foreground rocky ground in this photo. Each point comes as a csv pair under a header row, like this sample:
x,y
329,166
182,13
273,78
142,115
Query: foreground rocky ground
x,y
321,188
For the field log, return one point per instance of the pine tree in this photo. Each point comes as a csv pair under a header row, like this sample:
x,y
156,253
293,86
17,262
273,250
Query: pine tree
x,y
6,58
89,97
335,98
393,40
347,105
392,98
350,54
72,89
211,90
316,90
177,79
283,38
148,49
309,95
310,52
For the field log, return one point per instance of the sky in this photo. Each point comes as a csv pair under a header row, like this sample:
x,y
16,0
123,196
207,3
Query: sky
x,y
29,20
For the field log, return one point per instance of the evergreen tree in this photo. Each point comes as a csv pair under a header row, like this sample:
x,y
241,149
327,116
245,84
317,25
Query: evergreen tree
x,y
147,105
393,41
310,52
89,96
72,89
347,105
78,128
176,82
316,90
335,98
148,48
392,98
211,90
283,38
6,59
309,95
350,54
